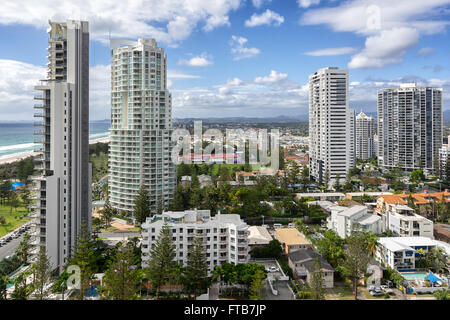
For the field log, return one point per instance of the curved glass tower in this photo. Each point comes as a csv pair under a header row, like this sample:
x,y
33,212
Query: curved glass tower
x,y
141,125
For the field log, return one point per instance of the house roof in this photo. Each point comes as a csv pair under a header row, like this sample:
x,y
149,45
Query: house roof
x,y
290,236
307,257
418,198
405,243
258,235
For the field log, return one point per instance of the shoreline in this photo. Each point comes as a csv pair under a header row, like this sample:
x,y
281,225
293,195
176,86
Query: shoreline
x,y
8,159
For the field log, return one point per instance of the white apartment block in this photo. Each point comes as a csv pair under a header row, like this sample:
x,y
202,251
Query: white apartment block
x,y
62,187
401,253
444,162
225,236
404,222
365,130
141,125
345,219
329,124
409,127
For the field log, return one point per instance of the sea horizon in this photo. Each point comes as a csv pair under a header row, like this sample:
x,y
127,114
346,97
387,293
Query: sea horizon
x,y
17,137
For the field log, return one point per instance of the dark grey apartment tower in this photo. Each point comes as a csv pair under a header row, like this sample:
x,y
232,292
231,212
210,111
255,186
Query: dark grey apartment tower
x,y
63,185
409,127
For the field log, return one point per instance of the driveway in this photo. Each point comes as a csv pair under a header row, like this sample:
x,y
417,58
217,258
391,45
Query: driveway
x,y
284,292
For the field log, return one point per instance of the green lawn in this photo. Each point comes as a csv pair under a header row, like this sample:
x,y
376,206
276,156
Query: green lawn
x,y
14,219
341,291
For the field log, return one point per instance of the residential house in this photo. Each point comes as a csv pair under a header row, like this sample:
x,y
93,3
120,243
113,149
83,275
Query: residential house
x,y
302,261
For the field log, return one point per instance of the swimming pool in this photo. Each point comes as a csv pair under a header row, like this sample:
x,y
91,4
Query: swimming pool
x,y
414,275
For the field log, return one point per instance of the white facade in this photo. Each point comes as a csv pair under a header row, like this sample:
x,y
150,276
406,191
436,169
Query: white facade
x,y
141,125
409,127
401,253
329,124
404,222
444,162
225,236
365,130
345,219
63,186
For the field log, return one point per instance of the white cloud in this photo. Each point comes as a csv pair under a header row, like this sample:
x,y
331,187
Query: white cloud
x,y
268,17
378,21
169,21
272,78
307,3
18,79
172,74
235,82
389,47
424,52
203,60
263,96
240,51
331,51
224,90
259,3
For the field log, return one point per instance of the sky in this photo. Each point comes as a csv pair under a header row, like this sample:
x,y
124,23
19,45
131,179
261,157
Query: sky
x,y
229,58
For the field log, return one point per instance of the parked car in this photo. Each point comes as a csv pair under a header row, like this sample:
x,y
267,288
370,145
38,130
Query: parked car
x,y
272,269
2,243
277,225
376,293
291,225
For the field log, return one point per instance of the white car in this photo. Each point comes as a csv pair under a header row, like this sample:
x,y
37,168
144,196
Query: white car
x,y
273,269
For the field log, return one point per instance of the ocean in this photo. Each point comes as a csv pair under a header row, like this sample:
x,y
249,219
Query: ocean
x,y
16,138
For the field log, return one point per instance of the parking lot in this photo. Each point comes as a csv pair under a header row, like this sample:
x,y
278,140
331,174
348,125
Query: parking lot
x,y
270,264
7,248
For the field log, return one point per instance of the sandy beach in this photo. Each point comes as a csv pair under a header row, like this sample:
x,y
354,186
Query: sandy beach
x,y
22,155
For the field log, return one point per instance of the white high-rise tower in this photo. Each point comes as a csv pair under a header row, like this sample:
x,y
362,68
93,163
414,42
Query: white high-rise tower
x,y
141,125
365,131
329,124
63,185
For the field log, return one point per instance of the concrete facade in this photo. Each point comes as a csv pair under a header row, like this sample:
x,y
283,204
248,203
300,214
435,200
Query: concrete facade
x,y
329,125
63,185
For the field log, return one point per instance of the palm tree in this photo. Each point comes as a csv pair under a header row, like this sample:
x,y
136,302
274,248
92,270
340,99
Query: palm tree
x,y
443,294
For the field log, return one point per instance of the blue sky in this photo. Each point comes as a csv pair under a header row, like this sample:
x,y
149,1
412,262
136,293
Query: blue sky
x,y
236,57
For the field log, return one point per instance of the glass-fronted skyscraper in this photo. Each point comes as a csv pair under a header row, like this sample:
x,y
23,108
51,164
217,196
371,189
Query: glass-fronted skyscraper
x,y
141,125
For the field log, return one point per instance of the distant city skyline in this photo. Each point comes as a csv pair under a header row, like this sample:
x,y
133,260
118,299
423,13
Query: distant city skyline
x,y
237,57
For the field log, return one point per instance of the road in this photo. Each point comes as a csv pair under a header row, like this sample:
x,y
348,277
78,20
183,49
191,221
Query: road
x,y
10,247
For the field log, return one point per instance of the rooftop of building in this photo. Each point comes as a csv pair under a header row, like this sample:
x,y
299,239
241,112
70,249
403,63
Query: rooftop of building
x,y
418,198
197,218
290,236
405,243
307,257
259,235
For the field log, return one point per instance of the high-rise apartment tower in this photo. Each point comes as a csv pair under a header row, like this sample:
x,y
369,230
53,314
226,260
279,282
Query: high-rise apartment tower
x,y
141,125
63,185
409,127
329,124
365,131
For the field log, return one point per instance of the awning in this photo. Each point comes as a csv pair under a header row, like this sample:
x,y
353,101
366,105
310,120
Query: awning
x,y
431,277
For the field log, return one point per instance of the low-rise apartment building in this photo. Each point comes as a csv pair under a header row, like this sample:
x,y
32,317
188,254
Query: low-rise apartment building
x,y
404,222
401,253
291,239
345,219
423,200
225,236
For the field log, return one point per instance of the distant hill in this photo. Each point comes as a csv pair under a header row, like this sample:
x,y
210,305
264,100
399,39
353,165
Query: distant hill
x,y
279,119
